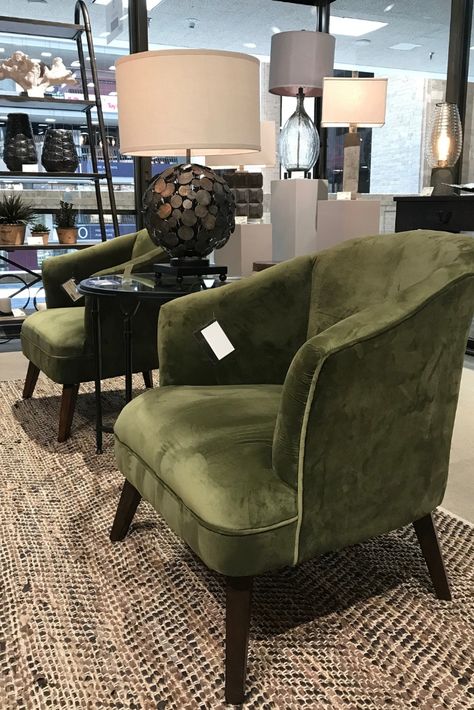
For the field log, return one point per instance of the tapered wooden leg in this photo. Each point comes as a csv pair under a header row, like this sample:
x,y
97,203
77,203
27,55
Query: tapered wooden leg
x,y
426,533
126,508
30,380
68,405
148,378
238,603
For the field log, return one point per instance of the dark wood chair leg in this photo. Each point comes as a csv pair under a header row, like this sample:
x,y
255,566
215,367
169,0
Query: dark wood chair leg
x,y
68,405
426,533
148,378
126,508
238,604
30,380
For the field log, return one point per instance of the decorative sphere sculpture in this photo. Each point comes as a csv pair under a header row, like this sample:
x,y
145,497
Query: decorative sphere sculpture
x,y
189,210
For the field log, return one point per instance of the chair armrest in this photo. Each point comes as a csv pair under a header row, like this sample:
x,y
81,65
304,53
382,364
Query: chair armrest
x,y
265,317
82,264
367,411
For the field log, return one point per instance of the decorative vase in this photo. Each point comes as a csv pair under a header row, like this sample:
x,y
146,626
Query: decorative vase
x,y
67,235
189,211
59,152
44,236
299,140
12,234
19,148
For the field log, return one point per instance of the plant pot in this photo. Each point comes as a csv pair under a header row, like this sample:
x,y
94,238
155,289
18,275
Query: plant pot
x,y
19,147
67,235
59,152
44,236
12,234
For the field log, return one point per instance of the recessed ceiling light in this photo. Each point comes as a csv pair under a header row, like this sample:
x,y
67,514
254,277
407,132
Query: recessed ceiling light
x,y
275,29
112,67
50,120
250,45
76,63
46,54
389,7
404,46
352,27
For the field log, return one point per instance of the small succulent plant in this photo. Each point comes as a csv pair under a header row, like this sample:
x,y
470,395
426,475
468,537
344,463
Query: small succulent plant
x,y
39,227
66,217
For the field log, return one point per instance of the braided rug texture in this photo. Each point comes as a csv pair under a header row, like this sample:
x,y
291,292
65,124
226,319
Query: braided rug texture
x,y
139,625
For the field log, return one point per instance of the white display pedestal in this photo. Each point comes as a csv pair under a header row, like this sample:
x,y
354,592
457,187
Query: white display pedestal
x,y
340,220
250,242
294,206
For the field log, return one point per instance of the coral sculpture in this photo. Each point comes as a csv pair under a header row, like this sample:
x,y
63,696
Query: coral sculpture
x,y
34,76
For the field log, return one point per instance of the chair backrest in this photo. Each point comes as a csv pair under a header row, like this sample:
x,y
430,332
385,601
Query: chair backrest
x,y
380,415
366,271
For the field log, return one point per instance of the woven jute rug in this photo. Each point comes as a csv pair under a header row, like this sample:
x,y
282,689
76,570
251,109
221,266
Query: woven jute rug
x,y
139,625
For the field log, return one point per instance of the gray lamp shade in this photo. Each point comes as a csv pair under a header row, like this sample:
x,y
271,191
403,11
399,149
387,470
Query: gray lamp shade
x,y
300,59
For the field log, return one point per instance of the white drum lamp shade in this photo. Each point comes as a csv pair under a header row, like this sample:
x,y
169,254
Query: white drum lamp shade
x,y
354,101
265,157
300,59
173,100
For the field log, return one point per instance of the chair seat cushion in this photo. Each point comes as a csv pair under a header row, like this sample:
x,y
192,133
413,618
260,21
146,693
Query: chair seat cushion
x,y
202,456
54,341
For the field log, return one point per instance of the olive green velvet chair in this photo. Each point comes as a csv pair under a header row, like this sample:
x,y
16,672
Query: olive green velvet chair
x,y
329,424
58,341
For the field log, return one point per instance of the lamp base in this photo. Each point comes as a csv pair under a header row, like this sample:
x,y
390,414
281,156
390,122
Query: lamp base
x,y
181,268
440,179
350,176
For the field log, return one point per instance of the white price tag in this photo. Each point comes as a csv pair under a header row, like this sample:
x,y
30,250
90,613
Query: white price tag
x,y
18,313
217,340
71,290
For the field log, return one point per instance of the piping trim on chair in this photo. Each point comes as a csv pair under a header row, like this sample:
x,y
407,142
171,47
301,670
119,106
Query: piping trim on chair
x,y
301,453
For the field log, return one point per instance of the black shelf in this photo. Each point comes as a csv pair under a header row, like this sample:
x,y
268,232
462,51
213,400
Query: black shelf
x,y
48,102
40,28
50,176
85,210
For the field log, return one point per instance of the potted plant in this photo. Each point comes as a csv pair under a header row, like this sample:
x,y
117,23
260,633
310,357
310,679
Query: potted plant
x,y
65,222
40,230
15,214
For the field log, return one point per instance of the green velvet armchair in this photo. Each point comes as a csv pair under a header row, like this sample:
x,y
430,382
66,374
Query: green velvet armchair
x,y
58,341
330,422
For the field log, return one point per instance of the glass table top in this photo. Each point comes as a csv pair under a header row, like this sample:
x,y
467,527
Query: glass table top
x,y
145,285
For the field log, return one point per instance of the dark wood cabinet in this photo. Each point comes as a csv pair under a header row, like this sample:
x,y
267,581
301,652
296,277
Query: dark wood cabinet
x,y
448,213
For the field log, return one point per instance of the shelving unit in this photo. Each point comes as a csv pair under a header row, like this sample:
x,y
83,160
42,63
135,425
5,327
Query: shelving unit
x,y
75,32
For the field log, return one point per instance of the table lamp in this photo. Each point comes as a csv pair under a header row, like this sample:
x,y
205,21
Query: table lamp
x,y
444,146
247,187
298,62
353,102
172,102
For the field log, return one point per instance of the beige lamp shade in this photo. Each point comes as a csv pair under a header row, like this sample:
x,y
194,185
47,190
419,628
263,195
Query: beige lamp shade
x,y
354,101
266,156
173,100
300,59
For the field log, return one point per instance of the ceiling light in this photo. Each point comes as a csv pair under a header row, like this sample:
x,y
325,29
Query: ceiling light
x,y
250,45
404,46
275,29
389,7
50,120
112,67
46,54
352,27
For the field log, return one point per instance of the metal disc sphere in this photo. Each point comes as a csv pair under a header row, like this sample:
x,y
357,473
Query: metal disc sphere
x,y
189,210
